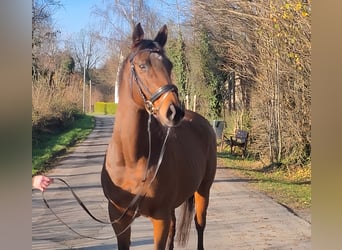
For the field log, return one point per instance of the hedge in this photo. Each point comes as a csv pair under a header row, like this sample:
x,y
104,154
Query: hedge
x,y
106,108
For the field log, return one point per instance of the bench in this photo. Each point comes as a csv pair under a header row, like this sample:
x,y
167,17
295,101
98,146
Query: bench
x,y
240,140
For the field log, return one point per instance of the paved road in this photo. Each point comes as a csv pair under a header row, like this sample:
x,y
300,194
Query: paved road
x,y
238,216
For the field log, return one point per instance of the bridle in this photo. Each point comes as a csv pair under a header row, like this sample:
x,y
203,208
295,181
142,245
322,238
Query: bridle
x,y
149,102
150,108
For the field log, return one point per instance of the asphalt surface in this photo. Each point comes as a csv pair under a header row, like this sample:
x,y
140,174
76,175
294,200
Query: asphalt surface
x,y
238,216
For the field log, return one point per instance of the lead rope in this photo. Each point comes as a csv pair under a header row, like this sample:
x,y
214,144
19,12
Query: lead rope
x,y
90,214
82,205
134,200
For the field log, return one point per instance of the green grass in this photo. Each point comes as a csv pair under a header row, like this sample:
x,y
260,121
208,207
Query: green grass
x,y
48,145
290,186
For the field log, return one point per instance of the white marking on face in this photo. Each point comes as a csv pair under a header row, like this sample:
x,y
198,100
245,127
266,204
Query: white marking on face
x,y
158,56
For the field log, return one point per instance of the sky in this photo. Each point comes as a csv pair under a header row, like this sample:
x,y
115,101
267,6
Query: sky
x,y
76,15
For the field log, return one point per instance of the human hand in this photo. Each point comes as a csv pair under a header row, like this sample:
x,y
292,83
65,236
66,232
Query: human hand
x,y
41,182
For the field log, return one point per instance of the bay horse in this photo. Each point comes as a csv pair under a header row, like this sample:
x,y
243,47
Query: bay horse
x,y
159,156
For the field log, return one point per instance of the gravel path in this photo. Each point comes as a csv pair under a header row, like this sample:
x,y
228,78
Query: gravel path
x,y
239,217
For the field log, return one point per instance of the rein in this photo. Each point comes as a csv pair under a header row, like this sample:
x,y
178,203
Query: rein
x,y
82,205
162,151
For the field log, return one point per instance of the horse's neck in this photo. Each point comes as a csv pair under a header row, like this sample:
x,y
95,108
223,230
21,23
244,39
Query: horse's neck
x,y
131,127
130,131
132,137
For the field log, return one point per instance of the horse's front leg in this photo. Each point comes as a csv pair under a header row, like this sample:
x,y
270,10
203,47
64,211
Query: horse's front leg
x,y
122,228
161,229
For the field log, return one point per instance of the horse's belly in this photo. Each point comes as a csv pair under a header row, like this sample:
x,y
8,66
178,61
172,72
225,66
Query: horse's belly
x,y
172,189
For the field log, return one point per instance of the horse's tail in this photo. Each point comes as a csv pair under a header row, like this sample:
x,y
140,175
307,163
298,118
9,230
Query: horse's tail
x,y
186,216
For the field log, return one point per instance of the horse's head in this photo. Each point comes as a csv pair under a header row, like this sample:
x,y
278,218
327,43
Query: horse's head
x,y
151,78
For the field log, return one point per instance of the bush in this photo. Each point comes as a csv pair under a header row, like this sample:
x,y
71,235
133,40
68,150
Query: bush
x,y
48,145
100,107
54,108
111,108
107,108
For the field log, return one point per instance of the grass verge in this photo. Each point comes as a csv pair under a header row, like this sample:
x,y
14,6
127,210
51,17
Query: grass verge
x,y
290,186
48,145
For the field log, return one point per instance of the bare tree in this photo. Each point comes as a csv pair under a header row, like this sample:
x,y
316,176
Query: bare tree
x,y
87,49
119,17
44,38
268,46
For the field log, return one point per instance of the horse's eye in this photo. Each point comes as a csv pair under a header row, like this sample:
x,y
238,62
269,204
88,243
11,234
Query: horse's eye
x,y
142,66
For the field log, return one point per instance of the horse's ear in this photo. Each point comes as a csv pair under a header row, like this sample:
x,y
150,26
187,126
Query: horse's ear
x,y
161,37
138,34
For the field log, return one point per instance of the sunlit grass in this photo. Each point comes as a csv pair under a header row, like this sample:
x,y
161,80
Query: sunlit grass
x,y
288,185
47,146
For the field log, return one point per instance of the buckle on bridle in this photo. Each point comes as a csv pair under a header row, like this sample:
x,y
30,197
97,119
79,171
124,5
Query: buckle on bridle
x,y
149,107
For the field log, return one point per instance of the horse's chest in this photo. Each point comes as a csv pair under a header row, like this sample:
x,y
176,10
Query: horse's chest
x,y
128,179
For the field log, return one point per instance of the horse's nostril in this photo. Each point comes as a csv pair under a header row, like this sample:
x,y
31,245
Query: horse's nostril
x,y
174,113
171,112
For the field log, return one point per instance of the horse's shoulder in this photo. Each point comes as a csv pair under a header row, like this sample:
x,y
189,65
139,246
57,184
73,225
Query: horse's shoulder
x,y
196,123
195,118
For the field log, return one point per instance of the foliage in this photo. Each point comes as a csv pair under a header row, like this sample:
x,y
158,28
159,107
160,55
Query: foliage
x,y
56,94
268,47
67,64
105,108
43,36
49,144
250,57
176,51
212,75
286,72
58,104
196,86
111,108
100,107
